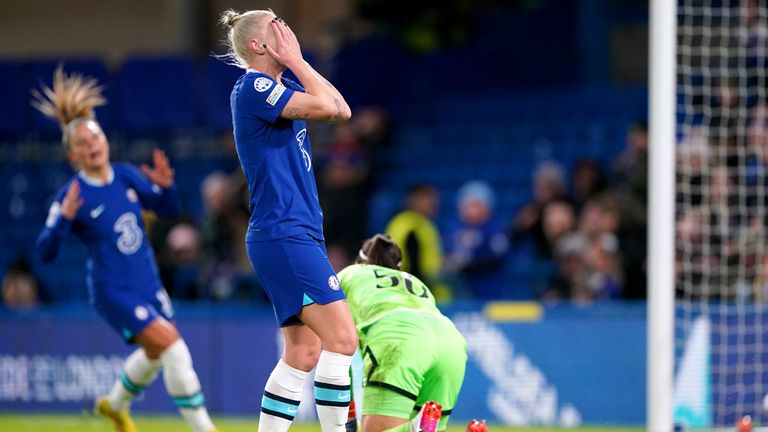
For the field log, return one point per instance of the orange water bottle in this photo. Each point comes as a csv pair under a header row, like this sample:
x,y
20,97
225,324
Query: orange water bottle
x,y
430,417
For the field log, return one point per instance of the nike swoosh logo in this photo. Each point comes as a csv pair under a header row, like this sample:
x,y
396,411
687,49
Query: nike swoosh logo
x,y
343,396
97,211
292,410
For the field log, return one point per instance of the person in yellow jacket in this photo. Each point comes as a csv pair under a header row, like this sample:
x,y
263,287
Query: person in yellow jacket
x,y
413,230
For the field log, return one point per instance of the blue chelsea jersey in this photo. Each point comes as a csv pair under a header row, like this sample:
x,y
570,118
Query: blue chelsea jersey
x,y
276,158
110,225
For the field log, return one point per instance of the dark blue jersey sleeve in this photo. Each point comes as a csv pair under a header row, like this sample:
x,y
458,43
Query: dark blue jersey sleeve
x,y
163,201
56,228
263,97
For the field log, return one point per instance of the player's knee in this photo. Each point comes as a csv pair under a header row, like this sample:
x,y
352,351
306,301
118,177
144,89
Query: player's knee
x,y
177,355
345,342
304,357
157,337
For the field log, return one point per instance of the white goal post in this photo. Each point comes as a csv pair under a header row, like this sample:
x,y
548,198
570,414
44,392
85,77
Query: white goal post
x,y
661,207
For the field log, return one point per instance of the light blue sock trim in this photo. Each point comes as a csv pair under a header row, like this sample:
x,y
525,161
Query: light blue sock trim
x,y
281,407
129,385
331,395
194,401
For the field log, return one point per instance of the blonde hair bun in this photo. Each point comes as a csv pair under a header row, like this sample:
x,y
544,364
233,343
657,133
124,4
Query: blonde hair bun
x,y
230,17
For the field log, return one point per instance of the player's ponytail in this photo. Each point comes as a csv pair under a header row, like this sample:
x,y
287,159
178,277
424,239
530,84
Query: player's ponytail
x,y
380,250
71,101
241,28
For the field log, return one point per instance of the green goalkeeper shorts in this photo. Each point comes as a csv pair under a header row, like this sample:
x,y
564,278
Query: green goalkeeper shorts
x,y
411,358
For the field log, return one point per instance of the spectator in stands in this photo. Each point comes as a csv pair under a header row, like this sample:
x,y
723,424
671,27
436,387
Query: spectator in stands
x,y
228,273
548,187
598,225
20,286
418,237
587,180
631,175
725,224
343,184
570,276
756,39
588,262
184,248
557,220
756,289
689,236
477,245
693,153
371,126
754,175
631,188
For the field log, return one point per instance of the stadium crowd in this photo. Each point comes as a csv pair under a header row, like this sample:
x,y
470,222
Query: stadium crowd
x,y
585,229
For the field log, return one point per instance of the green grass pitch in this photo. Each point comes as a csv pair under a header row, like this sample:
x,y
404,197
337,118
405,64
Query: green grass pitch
x,y
66,423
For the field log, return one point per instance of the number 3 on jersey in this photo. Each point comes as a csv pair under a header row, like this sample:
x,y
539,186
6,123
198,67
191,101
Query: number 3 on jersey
x,y
130,233
392,279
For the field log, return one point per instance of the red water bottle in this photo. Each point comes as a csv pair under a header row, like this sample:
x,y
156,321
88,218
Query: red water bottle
x,y
430,417
351,425
477,426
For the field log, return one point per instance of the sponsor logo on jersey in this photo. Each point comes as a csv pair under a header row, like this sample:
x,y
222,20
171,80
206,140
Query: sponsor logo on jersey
x,y
97,211
275,94
131,235
333,282
131,195
141,313
262,84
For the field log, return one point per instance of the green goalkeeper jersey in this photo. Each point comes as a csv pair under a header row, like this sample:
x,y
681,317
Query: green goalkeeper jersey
x,y
374,292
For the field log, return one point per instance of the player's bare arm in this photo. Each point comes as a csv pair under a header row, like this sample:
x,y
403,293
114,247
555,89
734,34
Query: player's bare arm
x,y
321,101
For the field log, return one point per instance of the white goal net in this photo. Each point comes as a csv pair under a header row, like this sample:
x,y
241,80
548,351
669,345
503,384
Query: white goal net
x,y
721,367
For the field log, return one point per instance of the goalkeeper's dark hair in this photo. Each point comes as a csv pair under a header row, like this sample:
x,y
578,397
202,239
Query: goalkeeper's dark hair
x,y
380,250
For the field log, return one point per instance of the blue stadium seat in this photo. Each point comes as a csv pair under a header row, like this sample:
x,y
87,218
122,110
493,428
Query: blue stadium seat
x,y
15,100
158,95
220,78
383,204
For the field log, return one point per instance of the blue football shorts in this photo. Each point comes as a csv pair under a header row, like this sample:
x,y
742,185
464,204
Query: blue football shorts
x,y
129,311
294,272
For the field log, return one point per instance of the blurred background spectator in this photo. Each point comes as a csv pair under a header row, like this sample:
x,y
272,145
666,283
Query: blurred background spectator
x,y
19,286
476,245
548,187
343,187
418,237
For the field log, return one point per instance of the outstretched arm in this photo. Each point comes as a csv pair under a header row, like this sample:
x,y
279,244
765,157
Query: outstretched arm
x,y
321,100
59,221
159,193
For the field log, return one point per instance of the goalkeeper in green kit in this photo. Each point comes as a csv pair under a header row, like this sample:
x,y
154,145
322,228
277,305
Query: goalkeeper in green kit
x,y
412,353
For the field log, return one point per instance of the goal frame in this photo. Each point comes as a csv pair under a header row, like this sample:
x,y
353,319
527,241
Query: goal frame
x,y
661,217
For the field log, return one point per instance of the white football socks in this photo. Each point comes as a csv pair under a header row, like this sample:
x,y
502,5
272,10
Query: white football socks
x,y
282,395
183,386
139,372
332,390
